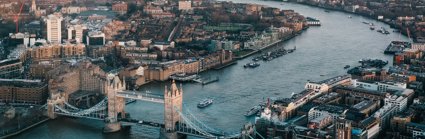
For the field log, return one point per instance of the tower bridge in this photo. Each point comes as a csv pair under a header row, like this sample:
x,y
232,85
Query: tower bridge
x,y
177,122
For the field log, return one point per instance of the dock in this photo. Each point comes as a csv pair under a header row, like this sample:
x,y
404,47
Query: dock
x,y
206,81
184,78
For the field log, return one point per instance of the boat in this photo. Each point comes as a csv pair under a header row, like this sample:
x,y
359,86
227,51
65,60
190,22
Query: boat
x,y
347,66
254,110
327,11
256,59
205,103
384,31
364,22
251,65
350,16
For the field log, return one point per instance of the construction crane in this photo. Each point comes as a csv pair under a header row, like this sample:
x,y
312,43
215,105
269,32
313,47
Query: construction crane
x,y
17,17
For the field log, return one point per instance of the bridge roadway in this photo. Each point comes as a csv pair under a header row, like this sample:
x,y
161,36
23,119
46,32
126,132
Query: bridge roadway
x,y
141,96
141,122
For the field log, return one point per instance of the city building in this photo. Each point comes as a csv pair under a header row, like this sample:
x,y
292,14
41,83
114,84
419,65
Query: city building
x,y
162,45
54,28
325,85
33,6
342,128
320,122
25,39
185,5
399,121
23,91
398,101
152,9
287,107
328,98
73,10
120,7
353,95
75,32
385,114
57,51
39,69
95,38
418,46
226,45
331,110
162,71
12,66
366,107
379,86
417,130
134,75
81,77
216,59
273,35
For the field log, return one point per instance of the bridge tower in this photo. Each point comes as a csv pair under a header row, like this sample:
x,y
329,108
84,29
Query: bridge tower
x,y
115,104
53,100
173,98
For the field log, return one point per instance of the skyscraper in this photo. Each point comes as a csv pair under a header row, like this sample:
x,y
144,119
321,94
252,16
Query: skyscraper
x,y
33,6
54,30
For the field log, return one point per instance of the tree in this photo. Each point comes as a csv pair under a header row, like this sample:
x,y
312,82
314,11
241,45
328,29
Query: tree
x,y
132,8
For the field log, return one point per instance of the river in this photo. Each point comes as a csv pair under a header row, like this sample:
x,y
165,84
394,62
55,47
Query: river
x,y
321,53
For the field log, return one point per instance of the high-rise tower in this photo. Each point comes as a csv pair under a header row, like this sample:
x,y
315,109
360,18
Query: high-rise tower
x,y
54,28
33,6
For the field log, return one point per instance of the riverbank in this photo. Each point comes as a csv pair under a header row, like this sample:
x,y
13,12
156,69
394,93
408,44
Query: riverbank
x,y
270,45
402,31
8,135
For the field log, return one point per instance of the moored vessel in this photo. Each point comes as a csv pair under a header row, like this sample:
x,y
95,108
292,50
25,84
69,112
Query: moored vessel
x,y
346,66
251,65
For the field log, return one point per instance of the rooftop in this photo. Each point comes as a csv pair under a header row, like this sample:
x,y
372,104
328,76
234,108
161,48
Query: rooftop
x,y
363,105
22,83
330,108
333,80
361,90
320,118
326,97
416,125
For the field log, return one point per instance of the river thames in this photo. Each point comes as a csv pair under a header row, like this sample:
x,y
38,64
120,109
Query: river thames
x,y
321,53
